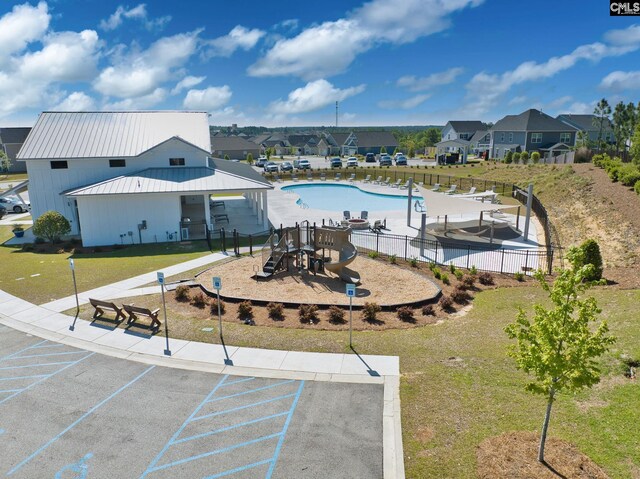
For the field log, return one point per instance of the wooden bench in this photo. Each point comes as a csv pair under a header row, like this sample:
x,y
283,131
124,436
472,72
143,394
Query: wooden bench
x,y
100,306
134,311
220,217
218,203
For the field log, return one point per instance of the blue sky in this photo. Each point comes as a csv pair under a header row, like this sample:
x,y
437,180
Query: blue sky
x,y
276,63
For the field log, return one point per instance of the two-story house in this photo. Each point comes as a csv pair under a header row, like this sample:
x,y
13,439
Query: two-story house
x,y
480,142
11,140
461,130
530,131
132,177
590,127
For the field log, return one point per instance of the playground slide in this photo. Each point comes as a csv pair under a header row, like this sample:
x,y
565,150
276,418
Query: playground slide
x,y
348,253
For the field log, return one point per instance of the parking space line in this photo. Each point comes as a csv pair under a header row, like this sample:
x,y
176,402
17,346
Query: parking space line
x,y
23,350
284,432
15,378
78,421
35,365
10,391
48,354
53,345
239,469
270,386
226,411
236,382
42,377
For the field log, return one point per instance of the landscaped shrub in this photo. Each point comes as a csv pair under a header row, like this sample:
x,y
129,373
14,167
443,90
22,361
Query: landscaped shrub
x,y
519,276
51,225
373,254
199,300
336,315
598,160
508,158
392,259
413,262
446,303
524,157
535,157
369,311
213,308
628,174
275,311
452,268
405,313
460,295
444,277
591,255
636,187
473,270
516,157
308,313
183,294
245,310
458,274
486,279
428,310
437,273
467,281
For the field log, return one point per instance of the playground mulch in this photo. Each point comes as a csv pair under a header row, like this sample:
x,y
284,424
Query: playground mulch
x,y
382,283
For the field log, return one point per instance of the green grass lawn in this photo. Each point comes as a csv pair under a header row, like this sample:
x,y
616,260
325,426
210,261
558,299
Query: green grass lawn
x,y
40,278
458,387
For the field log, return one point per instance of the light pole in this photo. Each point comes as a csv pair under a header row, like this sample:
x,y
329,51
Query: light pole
x,y
167,351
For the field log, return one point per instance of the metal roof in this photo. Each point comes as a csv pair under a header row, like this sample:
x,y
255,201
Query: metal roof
x,y
171,180
111,134
531,120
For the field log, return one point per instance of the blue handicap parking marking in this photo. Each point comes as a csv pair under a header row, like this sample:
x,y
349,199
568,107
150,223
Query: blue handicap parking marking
x,y
24,369
239,426
76,470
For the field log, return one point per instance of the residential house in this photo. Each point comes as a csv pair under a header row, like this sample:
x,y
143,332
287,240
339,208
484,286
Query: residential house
x,y
362,142
531,130
11,140
304,144
480,142
235,147
461,130
132,177
587,125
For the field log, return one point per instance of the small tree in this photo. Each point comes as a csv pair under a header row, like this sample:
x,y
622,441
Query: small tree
x,y
5,162
516,156
383,150
535,157
591,255
524,156
508,158
250,158
268,154
635,145
226,157
558,347
411,152
51,225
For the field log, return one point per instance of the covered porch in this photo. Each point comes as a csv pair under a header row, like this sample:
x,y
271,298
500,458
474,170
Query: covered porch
x,y
458,149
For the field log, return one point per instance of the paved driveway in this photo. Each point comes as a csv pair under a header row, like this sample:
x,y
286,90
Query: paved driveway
x,y
69,413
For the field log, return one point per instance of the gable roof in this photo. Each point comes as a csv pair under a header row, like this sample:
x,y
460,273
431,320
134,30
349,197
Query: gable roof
x,y
582,122
13,135
478,136
121,134
340,138
302,140
374,138
530,120
232,143
238,169
468,125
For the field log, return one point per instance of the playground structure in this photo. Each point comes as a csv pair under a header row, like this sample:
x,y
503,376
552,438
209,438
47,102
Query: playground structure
x,y
325,248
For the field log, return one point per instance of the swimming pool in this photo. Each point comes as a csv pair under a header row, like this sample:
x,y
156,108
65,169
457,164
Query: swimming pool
x,y
346,197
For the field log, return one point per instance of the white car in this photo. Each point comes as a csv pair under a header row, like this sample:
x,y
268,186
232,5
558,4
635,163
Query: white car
x,y
12,203
352,162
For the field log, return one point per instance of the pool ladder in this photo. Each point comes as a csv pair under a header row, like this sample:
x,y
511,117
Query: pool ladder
x,y
302,204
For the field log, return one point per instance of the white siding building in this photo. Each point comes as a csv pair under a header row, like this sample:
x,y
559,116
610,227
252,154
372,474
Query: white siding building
x,y
132,177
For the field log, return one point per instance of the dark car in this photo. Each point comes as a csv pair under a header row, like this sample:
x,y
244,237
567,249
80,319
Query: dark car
x,y
3,211
370,158
336,163
286,166
401,160
385,160
271,167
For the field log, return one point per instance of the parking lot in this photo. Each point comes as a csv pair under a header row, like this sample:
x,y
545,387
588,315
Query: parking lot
x,y
321,162
69,413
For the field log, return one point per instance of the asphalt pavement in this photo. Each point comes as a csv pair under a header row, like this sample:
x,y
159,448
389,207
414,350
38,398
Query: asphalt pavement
x,y
70,413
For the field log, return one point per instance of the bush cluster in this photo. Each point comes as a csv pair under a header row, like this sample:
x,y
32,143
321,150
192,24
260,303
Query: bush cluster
x,y
183,294
275,311
213,308
308,313
370,310
199,300
486,279
460,295
626,173
405,313
428,310
446,303
245,310
335,314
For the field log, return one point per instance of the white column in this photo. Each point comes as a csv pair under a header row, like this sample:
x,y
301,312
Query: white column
x,y
207,210
265,215
254,199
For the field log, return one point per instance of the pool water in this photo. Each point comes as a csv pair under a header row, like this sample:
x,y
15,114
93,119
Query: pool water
x,y
345,197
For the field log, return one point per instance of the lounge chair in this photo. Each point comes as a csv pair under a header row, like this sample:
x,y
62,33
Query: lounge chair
x,y
396,184
387,181
472,190
367,179
452,189
364,215
378,181
346,214
436,187
323,177
405,186
338,177
377,226
415,187
352,178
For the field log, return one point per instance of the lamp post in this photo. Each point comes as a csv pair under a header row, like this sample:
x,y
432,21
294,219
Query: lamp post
x,y
75,289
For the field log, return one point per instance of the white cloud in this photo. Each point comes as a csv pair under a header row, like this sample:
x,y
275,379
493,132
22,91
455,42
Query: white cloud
x,y
187,82
22,25
139,13
580,108
76,101
141,73
139,103
516,100
313,96
626,36
407,104
620,81
484,90
211,98
238,37
290,24
558,102
426,83
329,48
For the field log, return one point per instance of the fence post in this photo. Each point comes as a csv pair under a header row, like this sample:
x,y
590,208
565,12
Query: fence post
x,y
435,256
468,254
526,261
406,244
223,238
377,242
250,245
502,263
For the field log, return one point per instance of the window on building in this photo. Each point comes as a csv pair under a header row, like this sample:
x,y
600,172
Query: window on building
x,y
117,163
536,137
464,136
501,137
176,161
59,165
565,138
510,137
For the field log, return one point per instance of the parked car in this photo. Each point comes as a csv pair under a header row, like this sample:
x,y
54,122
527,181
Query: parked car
x,y
401,160
385,160
260,162
301,164
3,211
271,167
398,154
11,203
286,166
352,161
336,163
370,158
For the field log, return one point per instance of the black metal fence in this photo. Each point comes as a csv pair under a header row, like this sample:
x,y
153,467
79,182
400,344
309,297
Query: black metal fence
x,y
485,258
